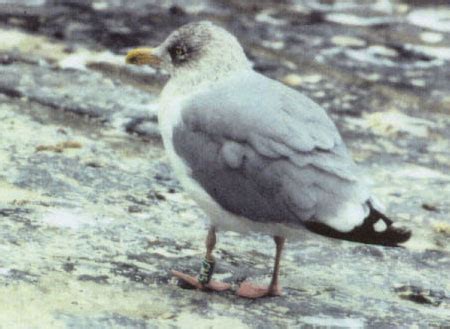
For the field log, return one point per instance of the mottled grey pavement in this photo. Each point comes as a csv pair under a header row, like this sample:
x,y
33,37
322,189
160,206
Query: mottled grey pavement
x,y
92,219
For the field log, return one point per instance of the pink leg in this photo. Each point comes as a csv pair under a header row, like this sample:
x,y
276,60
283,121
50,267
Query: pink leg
x,y
193,281
249,290
203,281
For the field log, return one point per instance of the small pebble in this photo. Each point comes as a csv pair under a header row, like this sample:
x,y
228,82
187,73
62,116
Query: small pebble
x,y
431,37
372,77
442,228
383,51
176,11
347,41
418,83
429,207
134,209
292,80
297,80
100,5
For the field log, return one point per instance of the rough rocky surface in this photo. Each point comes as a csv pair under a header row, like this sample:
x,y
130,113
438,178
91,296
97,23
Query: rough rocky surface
x,y
92,219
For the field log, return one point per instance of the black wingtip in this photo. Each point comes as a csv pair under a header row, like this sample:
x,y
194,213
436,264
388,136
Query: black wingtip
x,y
365,233
398,235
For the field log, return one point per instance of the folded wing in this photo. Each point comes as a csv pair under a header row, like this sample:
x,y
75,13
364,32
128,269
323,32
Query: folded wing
x,y
266,152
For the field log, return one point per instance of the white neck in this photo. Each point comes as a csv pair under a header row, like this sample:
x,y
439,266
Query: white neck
x,y
188,82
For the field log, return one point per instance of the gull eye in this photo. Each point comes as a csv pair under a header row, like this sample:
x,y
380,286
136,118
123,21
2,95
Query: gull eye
x,y
179,51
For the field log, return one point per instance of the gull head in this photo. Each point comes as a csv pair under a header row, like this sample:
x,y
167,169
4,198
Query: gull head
x,y
200,48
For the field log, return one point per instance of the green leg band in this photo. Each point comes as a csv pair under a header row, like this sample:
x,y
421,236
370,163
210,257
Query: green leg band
x,y
206,271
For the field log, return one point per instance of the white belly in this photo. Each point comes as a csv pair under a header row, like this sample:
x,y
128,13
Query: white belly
x,y
169,116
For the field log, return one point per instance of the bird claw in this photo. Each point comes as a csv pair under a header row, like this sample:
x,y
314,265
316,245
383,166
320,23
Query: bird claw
x,y
193,281
250,290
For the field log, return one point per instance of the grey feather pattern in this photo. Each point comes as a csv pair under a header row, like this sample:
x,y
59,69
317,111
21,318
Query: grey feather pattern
x,y
266,152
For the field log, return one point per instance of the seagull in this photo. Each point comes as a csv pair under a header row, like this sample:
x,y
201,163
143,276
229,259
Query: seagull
x,y
254,154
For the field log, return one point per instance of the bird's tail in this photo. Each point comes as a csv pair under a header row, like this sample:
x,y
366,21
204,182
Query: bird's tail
x,y
387,235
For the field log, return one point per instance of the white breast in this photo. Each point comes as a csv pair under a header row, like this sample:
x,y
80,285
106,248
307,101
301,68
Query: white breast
x,y
169,116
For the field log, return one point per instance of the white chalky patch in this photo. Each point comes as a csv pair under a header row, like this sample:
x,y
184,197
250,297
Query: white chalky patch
x,y
431,37
347,19
323,321
437,19
68,219
4,271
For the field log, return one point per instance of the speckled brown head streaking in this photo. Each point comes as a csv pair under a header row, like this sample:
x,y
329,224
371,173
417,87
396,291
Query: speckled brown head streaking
x,y
194,51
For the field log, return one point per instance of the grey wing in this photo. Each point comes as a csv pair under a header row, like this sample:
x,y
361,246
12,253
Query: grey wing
x,y
266,152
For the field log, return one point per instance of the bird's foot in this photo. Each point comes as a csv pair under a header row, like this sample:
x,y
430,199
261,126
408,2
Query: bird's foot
x,y
250,290
193,281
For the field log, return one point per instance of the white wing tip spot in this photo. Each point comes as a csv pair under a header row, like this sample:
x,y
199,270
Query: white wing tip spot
x,y
380,226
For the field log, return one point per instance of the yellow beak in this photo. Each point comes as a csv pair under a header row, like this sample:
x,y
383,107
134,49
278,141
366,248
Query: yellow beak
x,y
142,56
